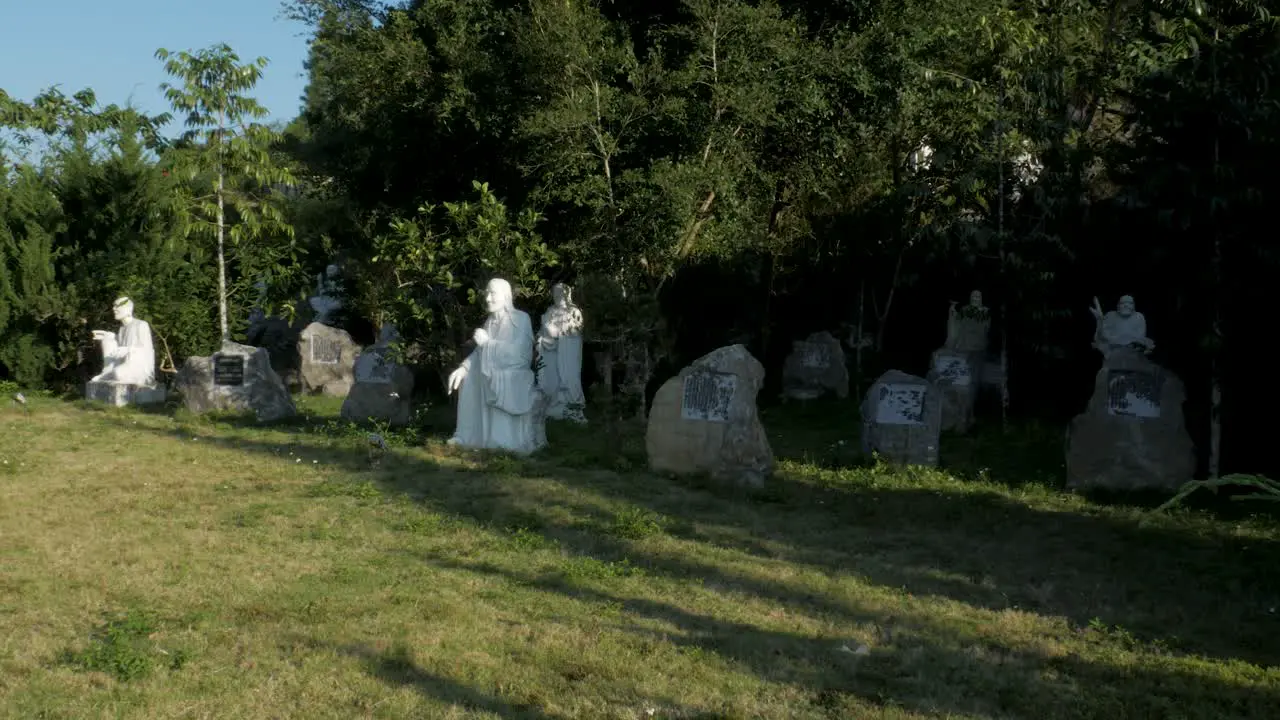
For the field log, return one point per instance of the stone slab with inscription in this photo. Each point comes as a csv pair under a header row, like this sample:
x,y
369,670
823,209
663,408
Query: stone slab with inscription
x,y
383,390
816,366
902,419
328,358
1132,435
957,376
704,420
238,378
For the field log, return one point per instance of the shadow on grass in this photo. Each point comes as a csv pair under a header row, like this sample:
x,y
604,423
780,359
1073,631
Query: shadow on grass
x,y
396,667
1205,594
923,663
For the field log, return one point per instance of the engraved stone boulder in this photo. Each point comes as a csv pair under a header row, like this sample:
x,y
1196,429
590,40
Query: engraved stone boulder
x,y
902,419
382,391
704,420
956,376
815,366
237,378
1132,435
328,358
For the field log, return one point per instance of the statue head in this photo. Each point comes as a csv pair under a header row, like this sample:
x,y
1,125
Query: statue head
x,y
561,294
497,296
332,272
122,309
975,299
1125,307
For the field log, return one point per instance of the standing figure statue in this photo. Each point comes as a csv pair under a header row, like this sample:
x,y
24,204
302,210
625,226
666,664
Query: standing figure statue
x,y
560,347
1121,329
967,327
325,302
128,357
499,404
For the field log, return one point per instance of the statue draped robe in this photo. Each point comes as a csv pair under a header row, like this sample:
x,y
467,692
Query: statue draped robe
x,y
498,396
560,377
131,358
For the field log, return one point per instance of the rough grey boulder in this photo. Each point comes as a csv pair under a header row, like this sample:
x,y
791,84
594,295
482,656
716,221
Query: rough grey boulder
x,y
814,367
902,419
327,360
382,391
1132,435
957,377
704,420
238,378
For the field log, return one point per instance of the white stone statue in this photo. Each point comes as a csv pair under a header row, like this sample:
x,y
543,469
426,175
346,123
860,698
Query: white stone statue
x,y
967,327
560,346
128,356
499,403
1121,329
325,302
920,159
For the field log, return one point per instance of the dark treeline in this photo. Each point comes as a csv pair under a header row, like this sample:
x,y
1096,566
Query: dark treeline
x,y
716,171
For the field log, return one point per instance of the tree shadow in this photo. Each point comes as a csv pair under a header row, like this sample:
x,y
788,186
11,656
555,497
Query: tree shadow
x,y
922,663
1200,592
396,667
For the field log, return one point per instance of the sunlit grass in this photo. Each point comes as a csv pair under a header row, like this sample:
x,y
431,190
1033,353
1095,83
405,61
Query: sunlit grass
x,y
158,566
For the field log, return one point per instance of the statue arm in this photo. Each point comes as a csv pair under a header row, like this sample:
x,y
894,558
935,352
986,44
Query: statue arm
x,y
1141,325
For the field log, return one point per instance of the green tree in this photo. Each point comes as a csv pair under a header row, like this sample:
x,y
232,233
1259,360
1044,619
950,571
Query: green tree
x,y
427,272
85,220
232,184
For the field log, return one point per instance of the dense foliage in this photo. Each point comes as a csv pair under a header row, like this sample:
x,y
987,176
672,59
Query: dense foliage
x,y
714,171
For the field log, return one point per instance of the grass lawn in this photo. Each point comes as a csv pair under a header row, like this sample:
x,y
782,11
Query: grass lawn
x,y
168,566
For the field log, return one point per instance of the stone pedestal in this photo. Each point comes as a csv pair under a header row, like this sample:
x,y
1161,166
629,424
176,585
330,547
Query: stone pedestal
x,y
328,357
237,378
121,394
705,420
1132,435
902,419
956,376
815,366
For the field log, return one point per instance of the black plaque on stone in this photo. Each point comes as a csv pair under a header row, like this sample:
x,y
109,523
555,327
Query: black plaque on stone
x,y
228,370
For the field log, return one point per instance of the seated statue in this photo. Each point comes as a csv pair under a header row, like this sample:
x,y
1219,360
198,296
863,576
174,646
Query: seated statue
x,y
128,355
560,346
499,404
1121,329
325,302
967,327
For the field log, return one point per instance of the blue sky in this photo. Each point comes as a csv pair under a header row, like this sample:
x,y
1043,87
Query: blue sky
x,y
109,46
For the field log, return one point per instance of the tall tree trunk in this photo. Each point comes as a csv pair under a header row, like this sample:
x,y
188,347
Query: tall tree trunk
x,y
857,348
222,265
1004,297
1215,377
765,325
